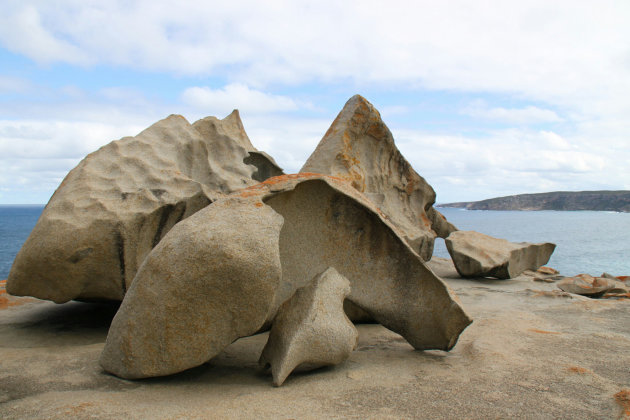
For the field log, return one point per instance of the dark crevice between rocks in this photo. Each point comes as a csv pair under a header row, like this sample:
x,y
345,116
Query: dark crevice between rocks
x,y
165,213
120,246
265,168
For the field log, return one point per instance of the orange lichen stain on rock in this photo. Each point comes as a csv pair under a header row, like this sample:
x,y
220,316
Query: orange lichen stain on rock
x,y
616,296
333,126
77,408
411,185
260,188
542,331
425,221
259,204
5,302
623,399
623,278
282,178
347,161
547,270
579,370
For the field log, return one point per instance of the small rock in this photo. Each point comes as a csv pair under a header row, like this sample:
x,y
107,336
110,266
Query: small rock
x,y
538,276
311,329
609,295
586,285
479,255
547,270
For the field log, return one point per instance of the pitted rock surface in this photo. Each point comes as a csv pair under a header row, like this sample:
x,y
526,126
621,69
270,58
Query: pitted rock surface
x,y
121,200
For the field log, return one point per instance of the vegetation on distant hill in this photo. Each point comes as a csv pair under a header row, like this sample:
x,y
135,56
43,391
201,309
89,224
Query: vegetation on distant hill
x,y
558,200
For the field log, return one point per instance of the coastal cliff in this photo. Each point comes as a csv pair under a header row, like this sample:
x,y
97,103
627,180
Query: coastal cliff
x,y
558,200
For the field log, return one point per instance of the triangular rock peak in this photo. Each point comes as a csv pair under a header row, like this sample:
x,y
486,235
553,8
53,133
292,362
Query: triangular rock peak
x,y
359,148
121,200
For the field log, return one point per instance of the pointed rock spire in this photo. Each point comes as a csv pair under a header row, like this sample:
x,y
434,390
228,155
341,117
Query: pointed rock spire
x,y
359,148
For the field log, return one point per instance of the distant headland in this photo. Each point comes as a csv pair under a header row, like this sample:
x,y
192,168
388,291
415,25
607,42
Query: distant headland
x,y
559,200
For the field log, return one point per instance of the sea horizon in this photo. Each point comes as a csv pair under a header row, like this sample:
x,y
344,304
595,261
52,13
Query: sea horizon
x,y
587,241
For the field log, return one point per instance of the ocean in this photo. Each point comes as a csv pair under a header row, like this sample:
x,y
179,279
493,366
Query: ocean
x,y
16,222
587,241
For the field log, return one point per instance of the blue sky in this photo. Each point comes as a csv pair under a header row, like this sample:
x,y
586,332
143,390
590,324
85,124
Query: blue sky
x,y
484,98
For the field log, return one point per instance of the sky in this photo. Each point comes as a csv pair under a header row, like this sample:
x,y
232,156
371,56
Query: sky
x,y
484,98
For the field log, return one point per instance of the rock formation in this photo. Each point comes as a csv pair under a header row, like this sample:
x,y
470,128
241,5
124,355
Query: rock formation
x,y
121,200
232,127
311,329
212,278
586,285
358,147
477,255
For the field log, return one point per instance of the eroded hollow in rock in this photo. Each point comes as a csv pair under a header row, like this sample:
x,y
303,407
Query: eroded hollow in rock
x,y
324,228
265,167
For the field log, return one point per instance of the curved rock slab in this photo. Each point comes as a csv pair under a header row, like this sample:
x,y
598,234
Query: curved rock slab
x,y
359,148
119,202
311,329
477,255
211,280
326,224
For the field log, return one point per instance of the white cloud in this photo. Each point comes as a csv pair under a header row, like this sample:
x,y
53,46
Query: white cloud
x,y
569,58
29,139
13,85
508,162
527,115
559,51
35,155
22,31
236,95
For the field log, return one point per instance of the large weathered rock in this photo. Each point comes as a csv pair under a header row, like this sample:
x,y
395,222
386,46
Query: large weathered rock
x,y
359,147
119,202
211,280
311,329
326,224
479,255
586,285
